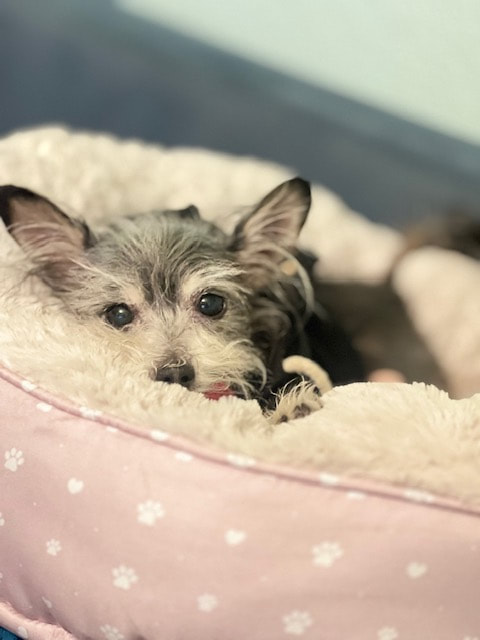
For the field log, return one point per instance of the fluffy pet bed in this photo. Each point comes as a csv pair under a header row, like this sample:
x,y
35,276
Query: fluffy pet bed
x,y
131,509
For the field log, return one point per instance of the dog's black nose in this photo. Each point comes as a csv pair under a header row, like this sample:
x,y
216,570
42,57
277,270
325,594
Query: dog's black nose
x,y
183,374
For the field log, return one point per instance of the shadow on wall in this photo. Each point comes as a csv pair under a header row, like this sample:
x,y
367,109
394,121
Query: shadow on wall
x,y
88,65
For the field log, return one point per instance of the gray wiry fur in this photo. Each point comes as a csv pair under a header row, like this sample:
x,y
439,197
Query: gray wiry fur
x,y
160,264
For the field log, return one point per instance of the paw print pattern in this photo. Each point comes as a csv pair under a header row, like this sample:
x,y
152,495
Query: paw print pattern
x,y
183,456
91,414
207,602
330,479
149,512
387,633
159,436
124,577
111,633
416,495
28,386
1,576
53,547
2,519
13,459
44,406
75,486
239,460
416,570
356,495
234,537
326,554
296,623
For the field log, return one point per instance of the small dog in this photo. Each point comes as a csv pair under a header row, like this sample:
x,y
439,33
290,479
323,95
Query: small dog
x,y
193,304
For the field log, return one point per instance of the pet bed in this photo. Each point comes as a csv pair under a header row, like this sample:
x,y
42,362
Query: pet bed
x,y
137,510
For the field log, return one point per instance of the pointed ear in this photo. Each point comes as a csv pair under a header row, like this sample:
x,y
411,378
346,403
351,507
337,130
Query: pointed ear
x,y
52,240
271,230
189,213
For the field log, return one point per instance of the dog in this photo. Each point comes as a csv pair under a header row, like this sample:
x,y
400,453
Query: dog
x,y
220,312
215,312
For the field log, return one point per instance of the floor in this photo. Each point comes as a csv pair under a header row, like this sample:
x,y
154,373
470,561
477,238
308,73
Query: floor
x,y
86,64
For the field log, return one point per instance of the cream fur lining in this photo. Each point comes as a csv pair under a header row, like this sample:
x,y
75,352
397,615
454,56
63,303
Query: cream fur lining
x,y
406,434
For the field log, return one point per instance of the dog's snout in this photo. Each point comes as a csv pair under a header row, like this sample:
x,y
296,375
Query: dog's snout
x,y
183,374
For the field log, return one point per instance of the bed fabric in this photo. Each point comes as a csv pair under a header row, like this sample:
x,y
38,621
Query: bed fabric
x,y
129,529
142,535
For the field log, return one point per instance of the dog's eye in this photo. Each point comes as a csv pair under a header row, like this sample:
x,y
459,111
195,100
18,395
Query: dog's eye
x,y
119,315
211,304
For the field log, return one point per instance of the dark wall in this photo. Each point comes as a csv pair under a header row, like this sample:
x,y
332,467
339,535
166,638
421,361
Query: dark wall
x,y
86,64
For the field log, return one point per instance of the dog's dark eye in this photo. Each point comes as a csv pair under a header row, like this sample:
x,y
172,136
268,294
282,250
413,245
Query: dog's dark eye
x,y
119,315
211,304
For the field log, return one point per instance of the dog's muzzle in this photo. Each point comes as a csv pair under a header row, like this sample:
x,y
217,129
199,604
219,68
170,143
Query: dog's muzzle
x,y
183,374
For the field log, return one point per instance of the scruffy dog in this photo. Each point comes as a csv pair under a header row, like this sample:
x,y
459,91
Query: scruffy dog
x,y
193,304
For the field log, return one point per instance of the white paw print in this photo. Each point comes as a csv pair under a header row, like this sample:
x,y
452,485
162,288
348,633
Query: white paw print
x,y
44,406
111,633
149,512
234,537
183,456
53,547
326,553
416,495
159,436
356,495
1,576
13,459
75,486
2,519
387,633
239,460
328,478
296,623
207,602
124,577
91,414
416,570
28,386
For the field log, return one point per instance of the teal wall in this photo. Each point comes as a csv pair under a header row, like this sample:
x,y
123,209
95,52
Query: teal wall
x,y
416,59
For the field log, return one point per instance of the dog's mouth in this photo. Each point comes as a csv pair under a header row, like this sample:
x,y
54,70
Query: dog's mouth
x,y
218,390
252,390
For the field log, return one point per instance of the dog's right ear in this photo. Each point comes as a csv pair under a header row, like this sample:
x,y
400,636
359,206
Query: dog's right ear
x,y
266,236
53,241
189,213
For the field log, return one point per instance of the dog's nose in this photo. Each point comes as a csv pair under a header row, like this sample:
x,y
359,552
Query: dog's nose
x,y
183,374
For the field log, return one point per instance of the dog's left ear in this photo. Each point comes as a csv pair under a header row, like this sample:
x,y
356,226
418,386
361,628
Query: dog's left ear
x,y
53,241
264,237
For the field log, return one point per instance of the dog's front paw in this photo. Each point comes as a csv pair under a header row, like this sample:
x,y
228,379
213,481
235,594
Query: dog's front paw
x,y
297,402
306,396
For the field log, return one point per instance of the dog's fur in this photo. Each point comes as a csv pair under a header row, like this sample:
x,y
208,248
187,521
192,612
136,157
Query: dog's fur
x,y
161,265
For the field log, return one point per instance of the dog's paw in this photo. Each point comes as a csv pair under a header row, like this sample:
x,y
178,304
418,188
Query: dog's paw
x,y
305,397
297,402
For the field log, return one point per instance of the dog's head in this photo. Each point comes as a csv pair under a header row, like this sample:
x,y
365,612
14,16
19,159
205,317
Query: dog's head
x,y
168,289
